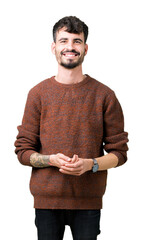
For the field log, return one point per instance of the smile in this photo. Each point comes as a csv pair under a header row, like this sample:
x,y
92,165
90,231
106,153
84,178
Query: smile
x,y
70,54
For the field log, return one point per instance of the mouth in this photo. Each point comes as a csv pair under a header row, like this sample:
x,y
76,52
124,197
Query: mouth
x,y
70,54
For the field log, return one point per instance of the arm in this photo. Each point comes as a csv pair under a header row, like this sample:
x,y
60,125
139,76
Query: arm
x,y
108,161
38,160
115,141
115,138
83,165
28,140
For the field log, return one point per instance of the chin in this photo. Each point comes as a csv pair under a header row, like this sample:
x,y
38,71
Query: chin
x,y
69,66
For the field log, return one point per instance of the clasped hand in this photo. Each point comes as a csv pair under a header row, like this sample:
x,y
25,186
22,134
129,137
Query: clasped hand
x,y
72,166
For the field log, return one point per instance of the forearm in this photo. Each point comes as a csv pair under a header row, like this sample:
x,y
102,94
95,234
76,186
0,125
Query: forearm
x,y
110,160
83,165
38,160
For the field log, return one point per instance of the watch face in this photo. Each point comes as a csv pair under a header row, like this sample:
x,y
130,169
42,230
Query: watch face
x,y
95,168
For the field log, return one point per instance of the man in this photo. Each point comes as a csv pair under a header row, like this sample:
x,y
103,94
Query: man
x,y
69,120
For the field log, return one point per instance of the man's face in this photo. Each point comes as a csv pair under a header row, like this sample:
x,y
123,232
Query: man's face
x,y
69,49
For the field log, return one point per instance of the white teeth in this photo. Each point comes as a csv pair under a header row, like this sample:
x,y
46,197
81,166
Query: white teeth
x,y
70,55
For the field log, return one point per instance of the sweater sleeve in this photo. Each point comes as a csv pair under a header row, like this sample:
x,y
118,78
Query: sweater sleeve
x,y
28,140
115,138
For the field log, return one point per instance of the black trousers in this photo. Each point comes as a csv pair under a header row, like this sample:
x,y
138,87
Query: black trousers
x,y
84,224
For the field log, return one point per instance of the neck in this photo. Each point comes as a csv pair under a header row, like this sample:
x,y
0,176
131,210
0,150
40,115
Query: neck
x,y
69,76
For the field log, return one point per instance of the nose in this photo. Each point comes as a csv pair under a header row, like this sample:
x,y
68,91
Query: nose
x,y
70,45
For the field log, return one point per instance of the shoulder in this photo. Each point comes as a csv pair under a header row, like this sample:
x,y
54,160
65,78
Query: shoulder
x,y
39,88
101,88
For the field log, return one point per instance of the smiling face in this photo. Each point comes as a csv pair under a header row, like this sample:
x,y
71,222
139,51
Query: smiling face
x,y
69,49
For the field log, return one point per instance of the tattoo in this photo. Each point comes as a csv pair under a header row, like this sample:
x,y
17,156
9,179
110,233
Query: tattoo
x,y
40,161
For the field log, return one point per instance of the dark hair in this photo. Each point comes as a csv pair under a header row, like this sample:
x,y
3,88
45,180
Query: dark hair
x,y
72,25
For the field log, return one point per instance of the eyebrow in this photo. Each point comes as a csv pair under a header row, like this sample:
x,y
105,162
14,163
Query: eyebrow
x,y
75,39
78,39
62,39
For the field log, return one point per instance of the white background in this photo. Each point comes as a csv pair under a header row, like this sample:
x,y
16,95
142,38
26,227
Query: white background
x,y
115,58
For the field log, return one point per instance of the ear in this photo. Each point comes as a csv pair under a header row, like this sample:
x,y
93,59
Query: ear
x,y
86,49
53,47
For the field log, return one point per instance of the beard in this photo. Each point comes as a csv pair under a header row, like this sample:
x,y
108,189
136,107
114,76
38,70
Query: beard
x,y
70,63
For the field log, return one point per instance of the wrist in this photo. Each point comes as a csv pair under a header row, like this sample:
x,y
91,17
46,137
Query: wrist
x,y
91,163
95,166
52,159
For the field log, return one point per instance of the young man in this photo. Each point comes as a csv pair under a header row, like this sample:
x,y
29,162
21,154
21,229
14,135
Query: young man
x,y
69,120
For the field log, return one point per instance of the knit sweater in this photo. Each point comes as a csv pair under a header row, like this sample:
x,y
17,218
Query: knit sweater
x,y
84,118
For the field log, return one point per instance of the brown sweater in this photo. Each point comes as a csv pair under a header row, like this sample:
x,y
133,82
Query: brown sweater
x,y
84,119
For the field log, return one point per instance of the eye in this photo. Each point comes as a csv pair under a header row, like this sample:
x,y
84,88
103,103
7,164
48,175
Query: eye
x,y
77,41
63,41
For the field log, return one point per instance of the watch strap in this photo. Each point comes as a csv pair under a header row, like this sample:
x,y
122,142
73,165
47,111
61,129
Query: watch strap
x,y
95,166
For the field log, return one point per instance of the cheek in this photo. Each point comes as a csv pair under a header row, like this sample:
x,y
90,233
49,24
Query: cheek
x,y
59,50
57,53
82,50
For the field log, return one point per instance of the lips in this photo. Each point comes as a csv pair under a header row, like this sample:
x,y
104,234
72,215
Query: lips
x,y
70,53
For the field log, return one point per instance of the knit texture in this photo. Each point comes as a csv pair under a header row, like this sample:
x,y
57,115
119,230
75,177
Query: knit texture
x,y
84,119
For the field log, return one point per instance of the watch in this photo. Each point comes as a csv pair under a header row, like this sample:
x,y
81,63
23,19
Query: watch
x,y
95,166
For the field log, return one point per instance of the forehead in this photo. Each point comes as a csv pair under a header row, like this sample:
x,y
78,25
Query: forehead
x,y
63,34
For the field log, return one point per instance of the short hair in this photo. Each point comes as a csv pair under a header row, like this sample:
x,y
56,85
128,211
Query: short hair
x,y
72,25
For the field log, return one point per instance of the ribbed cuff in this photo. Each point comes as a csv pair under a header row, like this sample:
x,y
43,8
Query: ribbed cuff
x,y
24,158
121,158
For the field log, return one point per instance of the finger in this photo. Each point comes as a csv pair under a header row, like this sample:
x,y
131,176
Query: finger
x,y
63,157
73,165
69,172
74,159
63,162
69,169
